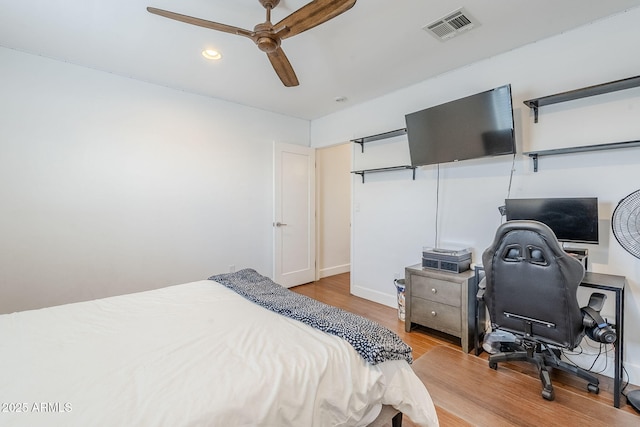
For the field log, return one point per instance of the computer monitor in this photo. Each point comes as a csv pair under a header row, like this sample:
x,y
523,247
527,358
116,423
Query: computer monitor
x,y
571,219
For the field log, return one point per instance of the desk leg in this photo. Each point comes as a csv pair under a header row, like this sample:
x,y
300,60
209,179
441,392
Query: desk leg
x,y
478,319
619,348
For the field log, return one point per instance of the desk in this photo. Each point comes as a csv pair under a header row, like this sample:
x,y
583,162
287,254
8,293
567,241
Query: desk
x,y
601,282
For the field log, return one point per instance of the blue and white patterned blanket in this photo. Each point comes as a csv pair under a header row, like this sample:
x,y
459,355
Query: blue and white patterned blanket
x,y
374,342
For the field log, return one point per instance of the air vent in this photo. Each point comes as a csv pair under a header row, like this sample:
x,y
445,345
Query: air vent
x,y
451,25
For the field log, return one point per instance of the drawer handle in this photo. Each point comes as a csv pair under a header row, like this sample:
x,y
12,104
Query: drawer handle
x,y
434,314
434,290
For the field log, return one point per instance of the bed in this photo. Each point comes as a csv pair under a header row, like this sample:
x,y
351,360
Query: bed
x,y
197,354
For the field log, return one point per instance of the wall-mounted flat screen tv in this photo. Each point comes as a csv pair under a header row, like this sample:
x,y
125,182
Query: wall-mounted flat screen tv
x,y
571,219
479,125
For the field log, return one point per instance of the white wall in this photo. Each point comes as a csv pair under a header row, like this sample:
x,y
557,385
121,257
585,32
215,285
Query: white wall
x,y
333,192
394,217
109,185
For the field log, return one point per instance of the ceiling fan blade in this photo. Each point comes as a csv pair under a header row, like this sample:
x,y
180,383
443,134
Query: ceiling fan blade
x,y
201,22
311,15
283,67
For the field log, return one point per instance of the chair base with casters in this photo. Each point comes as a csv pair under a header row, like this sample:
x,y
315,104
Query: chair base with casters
x,y
543,358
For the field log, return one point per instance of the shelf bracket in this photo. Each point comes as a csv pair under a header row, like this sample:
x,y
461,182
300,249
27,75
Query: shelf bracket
x,y
361,142
534,157
534,105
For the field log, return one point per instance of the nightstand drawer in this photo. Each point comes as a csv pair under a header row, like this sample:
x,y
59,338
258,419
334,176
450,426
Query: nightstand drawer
x,y
435,315
436,290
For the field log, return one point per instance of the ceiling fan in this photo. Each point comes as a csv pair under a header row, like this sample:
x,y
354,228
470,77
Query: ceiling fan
x,y
268,36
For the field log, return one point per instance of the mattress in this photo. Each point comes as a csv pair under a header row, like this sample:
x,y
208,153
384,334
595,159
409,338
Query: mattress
x,y
195,354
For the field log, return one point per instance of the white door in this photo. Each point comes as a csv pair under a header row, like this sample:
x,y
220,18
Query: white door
x,y
294,215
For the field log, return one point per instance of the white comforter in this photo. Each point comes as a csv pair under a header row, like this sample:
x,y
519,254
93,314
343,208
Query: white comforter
x,y
190,355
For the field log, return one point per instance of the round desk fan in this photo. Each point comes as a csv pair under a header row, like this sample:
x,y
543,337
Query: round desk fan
x,y
625,223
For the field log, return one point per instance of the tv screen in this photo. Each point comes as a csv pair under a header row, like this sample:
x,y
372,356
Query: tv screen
x,y
571,219
479,125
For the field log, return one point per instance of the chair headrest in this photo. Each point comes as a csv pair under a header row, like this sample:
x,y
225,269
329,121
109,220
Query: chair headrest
x,y
534,226
532,241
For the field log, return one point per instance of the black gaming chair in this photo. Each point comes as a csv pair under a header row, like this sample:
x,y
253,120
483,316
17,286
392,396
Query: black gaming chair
x,y
530,289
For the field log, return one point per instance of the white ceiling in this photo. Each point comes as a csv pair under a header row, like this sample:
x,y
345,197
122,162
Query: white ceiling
x,y
375,48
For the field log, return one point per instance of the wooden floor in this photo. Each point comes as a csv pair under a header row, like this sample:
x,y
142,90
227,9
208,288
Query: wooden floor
x,y
334,290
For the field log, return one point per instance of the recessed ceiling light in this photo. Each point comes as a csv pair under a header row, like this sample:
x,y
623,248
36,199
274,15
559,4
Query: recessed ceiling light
x,y
211,54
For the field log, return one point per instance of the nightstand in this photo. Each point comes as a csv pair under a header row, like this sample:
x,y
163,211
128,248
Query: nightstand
x,y
442,301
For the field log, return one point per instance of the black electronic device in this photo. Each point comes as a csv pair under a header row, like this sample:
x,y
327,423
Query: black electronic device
x,y
633,398
596,327
624,224
572,219
453,260
479,125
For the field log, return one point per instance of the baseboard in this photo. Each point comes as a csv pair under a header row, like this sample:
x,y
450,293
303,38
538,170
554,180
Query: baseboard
x,y
375,296
332,271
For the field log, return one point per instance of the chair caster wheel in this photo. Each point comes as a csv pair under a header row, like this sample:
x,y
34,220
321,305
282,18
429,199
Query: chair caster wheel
x,y
548,394
493,365
593,388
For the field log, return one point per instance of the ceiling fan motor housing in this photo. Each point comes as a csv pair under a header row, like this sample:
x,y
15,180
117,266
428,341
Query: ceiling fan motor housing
x,y
265,39
268,44
269,3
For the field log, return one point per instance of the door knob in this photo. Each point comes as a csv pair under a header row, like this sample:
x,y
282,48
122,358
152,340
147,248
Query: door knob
x,y
279,224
